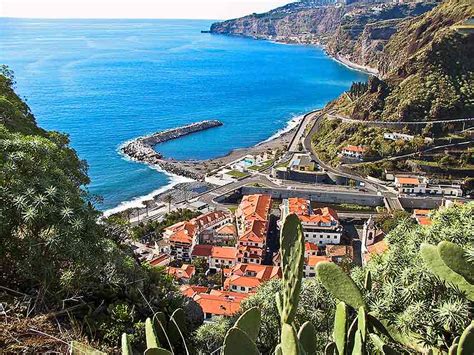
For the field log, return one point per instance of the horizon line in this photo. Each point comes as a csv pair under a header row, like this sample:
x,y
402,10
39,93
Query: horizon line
x,y
110,18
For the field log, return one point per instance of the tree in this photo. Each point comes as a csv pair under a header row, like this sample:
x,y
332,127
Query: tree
x,y
168,199
406,293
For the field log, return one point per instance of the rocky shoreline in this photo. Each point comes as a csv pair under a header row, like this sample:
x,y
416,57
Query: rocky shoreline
x,y
142,149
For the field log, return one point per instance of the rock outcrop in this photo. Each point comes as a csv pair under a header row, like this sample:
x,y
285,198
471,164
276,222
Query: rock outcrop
x,y
142,148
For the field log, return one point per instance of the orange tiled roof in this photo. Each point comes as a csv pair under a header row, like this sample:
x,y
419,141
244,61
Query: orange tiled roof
x,y
184,232
192,290
242,281
320,215
227,229
261,272
299,206
201,250
424,221
254,252
339,250
408,180
378,248
208,218
223,252
256,232
186,271
254,207
225,293
159,259
182,236
221,305
419,212
354,148
313,260
308,246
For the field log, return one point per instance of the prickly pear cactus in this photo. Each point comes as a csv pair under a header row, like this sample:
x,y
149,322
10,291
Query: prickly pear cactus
x,y
237,342
292,259
340,284
435,263
307,338
340,327
454,257
249,322
466,342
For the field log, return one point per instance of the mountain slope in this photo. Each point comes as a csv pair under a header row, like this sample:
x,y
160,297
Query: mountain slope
x,y
428,70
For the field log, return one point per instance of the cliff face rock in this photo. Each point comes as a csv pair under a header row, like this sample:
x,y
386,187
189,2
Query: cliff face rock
x,y
356,32
287,24
427,68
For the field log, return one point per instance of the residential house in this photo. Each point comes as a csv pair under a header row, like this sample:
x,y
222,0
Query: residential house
x,y
302,162
422,217
183,236
252,226
339,253
252,208
419,185
321,226
219,303
192,290
182,274
410,184
202,251
160,260
245,278
354,152
224,235
222,257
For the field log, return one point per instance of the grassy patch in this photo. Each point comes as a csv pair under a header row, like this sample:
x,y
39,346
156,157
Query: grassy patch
x,y
282,165
237,174
261,166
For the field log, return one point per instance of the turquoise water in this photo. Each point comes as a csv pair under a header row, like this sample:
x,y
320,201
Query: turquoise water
x,y
107,81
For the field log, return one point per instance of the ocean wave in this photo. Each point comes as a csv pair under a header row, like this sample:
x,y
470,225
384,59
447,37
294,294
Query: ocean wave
x,y
138,201
292,123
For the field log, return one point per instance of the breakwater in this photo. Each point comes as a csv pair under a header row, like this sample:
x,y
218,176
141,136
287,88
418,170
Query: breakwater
x,y
142,148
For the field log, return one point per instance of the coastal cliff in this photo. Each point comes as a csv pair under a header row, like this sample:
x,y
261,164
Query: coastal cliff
x,y
355,33
142,148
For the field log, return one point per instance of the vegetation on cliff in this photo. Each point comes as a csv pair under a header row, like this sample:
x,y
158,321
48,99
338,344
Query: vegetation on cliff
x,y
63,273
427,70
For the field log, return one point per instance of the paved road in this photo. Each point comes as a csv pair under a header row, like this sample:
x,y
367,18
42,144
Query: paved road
x,y
401,123
293,146
396,157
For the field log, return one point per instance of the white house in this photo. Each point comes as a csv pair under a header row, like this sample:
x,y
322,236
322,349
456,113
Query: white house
x,y
320,226
353,151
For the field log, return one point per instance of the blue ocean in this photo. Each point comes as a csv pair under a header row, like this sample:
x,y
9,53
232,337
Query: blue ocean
x,y
104,82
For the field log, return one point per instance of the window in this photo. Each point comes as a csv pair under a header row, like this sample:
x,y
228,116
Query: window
x,y
242,288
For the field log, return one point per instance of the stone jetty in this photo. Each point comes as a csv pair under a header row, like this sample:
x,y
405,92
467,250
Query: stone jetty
x,y
142,148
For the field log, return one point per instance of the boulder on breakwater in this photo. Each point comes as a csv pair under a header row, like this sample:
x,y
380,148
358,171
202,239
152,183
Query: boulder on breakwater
x,y
142,148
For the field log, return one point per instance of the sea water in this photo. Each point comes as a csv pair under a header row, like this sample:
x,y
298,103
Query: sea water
x,y
104,82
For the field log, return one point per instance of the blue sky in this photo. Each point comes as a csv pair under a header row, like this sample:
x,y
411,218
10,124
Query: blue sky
x,y
189,9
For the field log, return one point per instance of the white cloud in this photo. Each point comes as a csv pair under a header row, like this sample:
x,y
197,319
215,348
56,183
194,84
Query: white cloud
x,y
189,9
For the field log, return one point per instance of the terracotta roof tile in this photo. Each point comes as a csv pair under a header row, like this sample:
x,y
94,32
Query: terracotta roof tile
x,y
201,250
223,252
313,260
221,305
354,148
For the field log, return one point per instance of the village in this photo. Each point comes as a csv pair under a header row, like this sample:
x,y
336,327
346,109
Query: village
x,y
221,257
